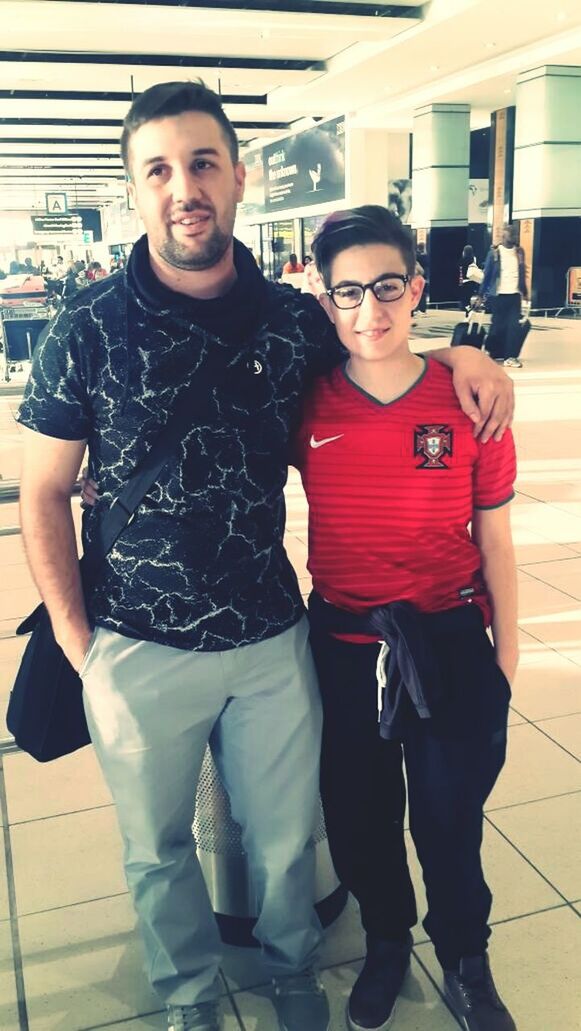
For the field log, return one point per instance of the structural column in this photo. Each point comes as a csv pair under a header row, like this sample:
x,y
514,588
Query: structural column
x,y
440,175
547,183
373,157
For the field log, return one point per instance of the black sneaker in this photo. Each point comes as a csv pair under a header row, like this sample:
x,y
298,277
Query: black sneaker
x,y
473,997
371,1006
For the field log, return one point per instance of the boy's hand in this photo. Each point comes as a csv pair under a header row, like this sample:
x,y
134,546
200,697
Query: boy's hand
x,y
508,663
485,393
89,490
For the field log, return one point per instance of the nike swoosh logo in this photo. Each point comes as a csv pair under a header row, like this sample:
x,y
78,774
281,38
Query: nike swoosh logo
x,y
324,440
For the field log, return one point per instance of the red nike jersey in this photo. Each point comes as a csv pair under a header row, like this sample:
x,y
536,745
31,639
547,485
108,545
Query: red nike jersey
x,y
391,491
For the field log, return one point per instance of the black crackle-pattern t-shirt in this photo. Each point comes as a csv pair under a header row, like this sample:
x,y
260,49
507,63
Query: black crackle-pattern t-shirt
x,y
202,566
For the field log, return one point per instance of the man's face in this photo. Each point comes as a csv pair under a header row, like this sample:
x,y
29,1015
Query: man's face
x,y
185,188
509,236
377,329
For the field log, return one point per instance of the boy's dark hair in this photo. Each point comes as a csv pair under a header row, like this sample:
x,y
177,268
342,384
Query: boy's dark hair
x,y
371,223
175,98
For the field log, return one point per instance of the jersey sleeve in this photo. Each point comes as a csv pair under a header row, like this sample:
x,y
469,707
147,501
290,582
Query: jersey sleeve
x,y
495,472
55,400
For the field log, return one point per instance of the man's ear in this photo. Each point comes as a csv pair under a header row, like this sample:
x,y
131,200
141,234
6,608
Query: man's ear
x,y
240,177
132,193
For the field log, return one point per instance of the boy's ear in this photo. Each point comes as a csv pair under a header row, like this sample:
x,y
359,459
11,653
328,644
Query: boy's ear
x,y
326,303
417,284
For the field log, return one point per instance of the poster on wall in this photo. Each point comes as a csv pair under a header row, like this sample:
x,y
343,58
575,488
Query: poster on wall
x,y
253,203
477,201
308,168
399,198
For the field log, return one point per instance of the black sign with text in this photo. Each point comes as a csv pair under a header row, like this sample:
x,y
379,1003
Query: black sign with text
x,y
306,169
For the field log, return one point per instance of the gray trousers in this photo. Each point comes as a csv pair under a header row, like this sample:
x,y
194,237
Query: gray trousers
x,y
151,711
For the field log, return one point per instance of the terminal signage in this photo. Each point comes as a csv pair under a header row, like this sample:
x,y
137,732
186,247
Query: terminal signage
x,y
57,225
307,168
574,286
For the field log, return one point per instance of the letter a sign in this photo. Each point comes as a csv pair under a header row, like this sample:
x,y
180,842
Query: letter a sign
x,y
56,203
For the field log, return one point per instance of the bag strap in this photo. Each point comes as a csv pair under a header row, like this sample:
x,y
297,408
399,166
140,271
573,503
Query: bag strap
x,y
125,505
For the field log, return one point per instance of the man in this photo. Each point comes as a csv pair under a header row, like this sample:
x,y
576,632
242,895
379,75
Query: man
x,y
196,631
504,286
292,265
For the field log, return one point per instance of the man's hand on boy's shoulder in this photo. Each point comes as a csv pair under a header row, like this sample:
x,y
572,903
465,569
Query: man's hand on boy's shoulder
x,y
485,393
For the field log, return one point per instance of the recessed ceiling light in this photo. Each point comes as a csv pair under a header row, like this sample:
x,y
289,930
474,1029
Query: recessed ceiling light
x,y
434,67
507,91
490,46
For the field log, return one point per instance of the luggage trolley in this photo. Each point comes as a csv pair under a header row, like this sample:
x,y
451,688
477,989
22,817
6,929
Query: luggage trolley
x,y
24,313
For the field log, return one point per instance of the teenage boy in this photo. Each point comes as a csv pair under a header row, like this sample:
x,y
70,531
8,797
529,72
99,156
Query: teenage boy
x,y
403,593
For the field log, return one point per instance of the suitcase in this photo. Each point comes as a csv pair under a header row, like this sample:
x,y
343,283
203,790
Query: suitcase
x,y
471,332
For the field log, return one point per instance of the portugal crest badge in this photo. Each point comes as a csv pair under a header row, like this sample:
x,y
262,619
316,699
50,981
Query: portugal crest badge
x,y
433,443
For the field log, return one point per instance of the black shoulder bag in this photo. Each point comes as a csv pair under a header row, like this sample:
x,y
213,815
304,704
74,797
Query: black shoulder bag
x,y
45,711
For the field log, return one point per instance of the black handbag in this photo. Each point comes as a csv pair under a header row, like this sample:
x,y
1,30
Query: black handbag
x,y
45,713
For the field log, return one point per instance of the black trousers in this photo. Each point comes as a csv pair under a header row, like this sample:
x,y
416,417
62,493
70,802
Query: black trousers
x,y
452,762
502,337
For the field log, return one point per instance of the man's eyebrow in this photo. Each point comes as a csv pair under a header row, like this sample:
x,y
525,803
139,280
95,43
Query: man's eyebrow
x,y
198,152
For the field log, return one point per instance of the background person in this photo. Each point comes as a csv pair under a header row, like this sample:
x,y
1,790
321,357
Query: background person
x,y
503,288
292,265
470,277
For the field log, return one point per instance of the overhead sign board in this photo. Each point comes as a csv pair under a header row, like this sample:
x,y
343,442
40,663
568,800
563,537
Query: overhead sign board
x,y
306,169
56,203
57,225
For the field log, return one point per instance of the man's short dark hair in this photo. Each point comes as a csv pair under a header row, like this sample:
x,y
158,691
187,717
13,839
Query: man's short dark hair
x,y
371,223
175,98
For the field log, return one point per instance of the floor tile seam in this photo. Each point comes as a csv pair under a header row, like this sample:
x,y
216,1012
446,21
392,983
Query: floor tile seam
x,y
435,984
530,863
547,647
533,912
119,1023
72,905
554,587
558,743
531,801
232,1001
549,719
12,909
58,816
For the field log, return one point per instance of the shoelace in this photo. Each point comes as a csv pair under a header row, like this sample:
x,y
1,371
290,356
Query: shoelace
x,y
303,983
190,1015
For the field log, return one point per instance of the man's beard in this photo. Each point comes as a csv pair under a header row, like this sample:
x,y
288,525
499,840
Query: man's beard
x,y
180,256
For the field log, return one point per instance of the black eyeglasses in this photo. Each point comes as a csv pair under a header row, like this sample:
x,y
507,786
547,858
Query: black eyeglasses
x,y
385,288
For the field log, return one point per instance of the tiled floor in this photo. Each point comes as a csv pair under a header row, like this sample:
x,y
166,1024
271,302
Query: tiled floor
x,y
69,955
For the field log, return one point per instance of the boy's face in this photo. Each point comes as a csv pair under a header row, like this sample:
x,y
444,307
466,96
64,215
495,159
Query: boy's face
x,y
376,330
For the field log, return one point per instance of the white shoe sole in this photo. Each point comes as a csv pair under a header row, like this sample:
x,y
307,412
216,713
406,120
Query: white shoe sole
x,y
380,1027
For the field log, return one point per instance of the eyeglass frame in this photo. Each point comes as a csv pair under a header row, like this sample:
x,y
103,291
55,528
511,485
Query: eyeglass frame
x,y
404,278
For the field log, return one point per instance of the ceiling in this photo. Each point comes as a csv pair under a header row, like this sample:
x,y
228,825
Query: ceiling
x,y
69,68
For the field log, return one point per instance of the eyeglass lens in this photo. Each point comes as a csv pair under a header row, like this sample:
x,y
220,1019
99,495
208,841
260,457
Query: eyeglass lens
x,y
351,295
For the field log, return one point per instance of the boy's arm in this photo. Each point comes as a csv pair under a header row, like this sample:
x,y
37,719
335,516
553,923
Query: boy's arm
x,y
491,533
485,392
